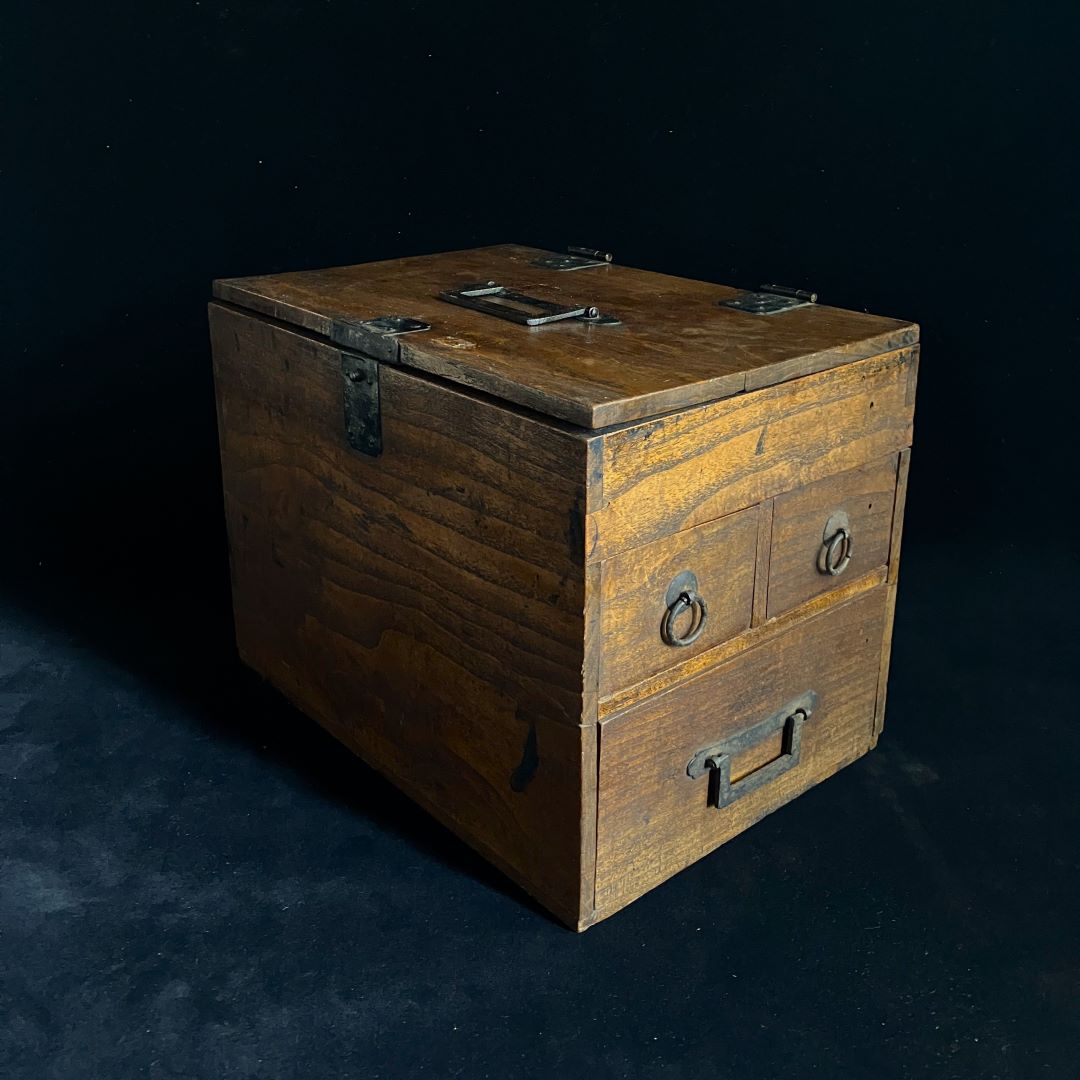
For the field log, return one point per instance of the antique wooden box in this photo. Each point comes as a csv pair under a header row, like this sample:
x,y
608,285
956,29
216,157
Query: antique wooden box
x,y
597,565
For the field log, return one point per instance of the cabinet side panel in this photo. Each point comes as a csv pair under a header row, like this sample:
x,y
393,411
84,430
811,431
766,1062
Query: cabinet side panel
x,y
894,573
426,606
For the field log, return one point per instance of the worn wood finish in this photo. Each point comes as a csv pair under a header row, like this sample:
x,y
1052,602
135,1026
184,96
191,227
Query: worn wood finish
x,y
653,820
634,584
477,611
761,561
427,606
865,495
677,347
681,470
623,699
894,576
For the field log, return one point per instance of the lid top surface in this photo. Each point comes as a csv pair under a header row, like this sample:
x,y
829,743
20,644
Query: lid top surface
x,y
675,345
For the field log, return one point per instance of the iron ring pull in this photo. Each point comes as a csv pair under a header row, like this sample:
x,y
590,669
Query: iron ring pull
x,y
835,551
687,600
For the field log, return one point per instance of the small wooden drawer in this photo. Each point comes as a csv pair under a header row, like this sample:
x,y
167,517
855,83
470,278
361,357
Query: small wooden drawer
x,y
672,599
773,721
829,533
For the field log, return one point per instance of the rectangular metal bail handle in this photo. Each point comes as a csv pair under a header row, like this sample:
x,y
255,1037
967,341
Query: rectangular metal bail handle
x,y
716,759
497,300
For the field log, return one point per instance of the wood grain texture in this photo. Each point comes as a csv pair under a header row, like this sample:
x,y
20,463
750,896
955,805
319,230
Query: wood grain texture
x,y
761,561
865,495
894,576
677,347
477,611
634,585
694,665
653,820
426,606
682,470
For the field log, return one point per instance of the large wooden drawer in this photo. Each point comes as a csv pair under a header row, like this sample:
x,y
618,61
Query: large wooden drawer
x,y
830,532
654,818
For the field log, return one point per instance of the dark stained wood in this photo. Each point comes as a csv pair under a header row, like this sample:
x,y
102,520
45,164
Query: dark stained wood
x,y
866,495
677,347
633,587
426,606
653,820
679,471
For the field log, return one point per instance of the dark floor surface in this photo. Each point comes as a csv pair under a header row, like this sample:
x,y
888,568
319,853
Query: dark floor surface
x,y
196,882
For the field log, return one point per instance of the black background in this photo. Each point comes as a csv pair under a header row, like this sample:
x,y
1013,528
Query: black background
x,y
914,160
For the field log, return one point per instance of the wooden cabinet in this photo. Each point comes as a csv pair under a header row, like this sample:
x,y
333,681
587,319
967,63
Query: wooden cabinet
x,y
534,567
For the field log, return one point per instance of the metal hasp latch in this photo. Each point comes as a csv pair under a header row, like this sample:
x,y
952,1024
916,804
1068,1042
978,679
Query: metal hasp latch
x,y
363,415
716,760
363,419
771,300
517,307
576,258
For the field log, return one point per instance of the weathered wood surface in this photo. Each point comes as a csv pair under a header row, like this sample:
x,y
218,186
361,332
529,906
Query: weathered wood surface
x,y
622,699
761,561
426,606
677,347
633,587
681,470
866,495
477,611
653,820
893,579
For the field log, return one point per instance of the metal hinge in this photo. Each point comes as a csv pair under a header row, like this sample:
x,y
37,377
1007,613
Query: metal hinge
x,y
576,258
770,300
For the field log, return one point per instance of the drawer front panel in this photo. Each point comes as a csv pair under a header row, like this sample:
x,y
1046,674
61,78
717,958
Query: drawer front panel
x,y
829,533
670,600
655,818
693,466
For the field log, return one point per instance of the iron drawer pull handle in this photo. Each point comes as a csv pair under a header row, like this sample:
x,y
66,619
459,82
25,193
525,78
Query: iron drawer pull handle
x,y
688,600
716,760
835,552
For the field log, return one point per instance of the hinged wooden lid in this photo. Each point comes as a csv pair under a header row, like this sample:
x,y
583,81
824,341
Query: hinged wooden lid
x,y
675,343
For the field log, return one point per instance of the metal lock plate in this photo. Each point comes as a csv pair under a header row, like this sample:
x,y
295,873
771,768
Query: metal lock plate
x,y
376,337
395,324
